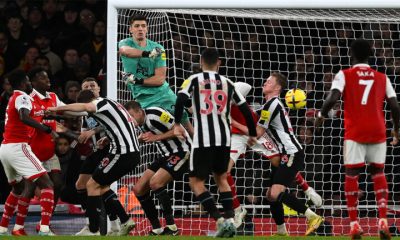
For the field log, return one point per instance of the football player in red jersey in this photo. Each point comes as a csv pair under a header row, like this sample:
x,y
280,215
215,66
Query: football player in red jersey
x,y
43,145
20,162
364,91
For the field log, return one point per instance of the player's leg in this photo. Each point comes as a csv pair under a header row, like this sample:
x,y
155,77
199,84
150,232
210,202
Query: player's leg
x,y
142,193
172,167
238,147
354,157
284,176
10,205
375,156
110,170
199,169
311,194
219,167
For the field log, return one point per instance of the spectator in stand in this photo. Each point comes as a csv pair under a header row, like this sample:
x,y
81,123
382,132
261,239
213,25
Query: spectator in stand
x,y
11,53
72,89
96,46
67,73
43,62
87,20
16,33
7,91
28,60
70,34
42,40
52,18
34,22
81,71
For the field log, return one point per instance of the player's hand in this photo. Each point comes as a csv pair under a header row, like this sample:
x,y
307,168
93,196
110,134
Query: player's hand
x,y
395,135
251,141
155,52
149,137
50,110
319,120
54,135
179,131
102,142
130,78
85,136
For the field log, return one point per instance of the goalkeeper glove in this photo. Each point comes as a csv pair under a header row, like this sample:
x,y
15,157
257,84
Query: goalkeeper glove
x,y
153,53
130,78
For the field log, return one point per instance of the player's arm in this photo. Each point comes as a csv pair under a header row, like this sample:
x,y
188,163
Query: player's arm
x,y
395,110
337,88
150,137
239,126
75,107
87,134
131,52
157,79
26,119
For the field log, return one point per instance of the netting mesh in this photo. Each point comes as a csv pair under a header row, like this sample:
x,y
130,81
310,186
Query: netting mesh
x,y
309,46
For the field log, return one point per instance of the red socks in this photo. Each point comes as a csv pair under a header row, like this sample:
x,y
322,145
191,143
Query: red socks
x,y
301,182
231,183
381,193
351,192
22,210
9,209
47,203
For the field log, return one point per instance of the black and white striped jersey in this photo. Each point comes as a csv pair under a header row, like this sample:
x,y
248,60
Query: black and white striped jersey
x,y
119,125
159,121
89,123
212,95
275,120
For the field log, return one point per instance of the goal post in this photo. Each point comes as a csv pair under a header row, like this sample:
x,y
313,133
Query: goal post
x,y
306,40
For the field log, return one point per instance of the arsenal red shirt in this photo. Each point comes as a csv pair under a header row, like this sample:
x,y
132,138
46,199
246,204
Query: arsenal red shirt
x,y
42,144
15,131
237,115
364,91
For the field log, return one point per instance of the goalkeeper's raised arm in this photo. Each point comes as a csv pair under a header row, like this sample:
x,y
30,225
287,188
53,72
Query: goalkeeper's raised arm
x,y
144,65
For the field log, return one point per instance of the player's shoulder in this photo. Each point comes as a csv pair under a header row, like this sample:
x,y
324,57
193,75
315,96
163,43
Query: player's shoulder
x,y
154,44
125,42
154,109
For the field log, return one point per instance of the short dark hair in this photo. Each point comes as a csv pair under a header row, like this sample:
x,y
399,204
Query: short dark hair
x,y
361,50
137,17
132,105
16,78
90,79
210,56
280,79
85,96
32,74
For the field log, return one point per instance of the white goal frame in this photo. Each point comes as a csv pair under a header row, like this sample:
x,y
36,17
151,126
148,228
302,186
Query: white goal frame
x,y
113,5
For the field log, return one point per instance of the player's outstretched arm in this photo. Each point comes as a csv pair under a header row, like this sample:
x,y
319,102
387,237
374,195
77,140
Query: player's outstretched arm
x,y
329,102
75,107
26,119
395,110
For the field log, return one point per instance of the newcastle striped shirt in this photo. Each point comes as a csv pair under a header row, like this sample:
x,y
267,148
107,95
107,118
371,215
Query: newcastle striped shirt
x,y
119,125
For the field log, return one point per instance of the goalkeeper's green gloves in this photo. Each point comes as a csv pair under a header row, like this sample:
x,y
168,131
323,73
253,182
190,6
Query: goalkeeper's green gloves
x,y
153,53
130,78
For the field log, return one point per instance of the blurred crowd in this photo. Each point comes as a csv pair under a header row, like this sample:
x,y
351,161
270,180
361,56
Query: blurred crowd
x,y
67,39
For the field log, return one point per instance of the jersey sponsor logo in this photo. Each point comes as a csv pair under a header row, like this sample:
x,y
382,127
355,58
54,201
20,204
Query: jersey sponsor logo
x,y
164,117
265,115
185,83
104,162
91,122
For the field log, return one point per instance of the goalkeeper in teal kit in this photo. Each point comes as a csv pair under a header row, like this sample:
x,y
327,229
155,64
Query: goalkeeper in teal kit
x,y
145,66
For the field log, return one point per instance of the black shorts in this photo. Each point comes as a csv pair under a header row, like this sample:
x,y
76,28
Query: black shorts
x,y
176,164
288,168
115,166
207,160
93,160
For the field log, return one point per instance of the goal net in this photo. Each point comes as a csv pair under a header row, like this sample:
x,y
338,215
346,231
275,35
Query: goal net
x,y
307,45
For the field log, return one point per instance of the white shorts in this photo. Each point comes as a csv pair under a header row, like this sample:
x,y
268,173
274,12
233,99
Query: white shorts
x,y
52,165
264,146
357,154
20,162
